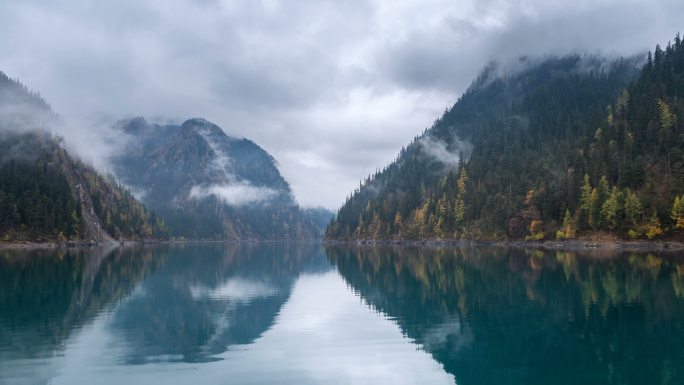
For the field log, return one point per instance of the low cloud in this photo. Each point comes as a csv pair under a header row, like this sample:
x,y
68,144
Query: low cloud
x,y
22,110
232,191
94,141
138,193
235,194
24,118
448,154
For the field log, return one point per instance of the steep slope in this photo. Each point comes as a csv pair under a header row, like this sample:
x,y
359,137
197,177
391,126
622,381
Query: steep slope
x,y
471,173
635,162
208,185
45,193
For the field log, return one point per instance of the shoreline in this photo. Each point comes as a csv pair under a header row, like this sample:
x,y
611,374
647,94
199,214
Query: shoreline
x,y
36,245
565,245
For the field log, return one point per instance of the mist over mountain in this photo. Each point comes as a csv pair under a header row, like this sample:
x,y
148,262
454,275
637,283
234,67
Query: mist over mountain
x,y
320,96
171,164
46,193
508,160
507,178
207,184
536,148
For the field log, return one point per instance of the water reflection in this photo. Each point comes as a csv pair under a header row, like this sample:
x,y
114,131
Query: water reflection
x,y
515,317
207,298
45,295
267,313
48,295
299,313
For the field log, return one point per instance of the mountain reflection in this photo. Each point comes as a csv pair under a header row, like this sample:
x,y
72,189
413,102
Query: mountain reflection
x,y
46,295
170,303
497,316
207,298
281,313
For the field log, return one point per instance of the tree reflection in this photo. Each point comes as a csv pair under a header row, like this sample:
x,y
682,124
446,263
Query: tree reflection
x,y
530,317
46,294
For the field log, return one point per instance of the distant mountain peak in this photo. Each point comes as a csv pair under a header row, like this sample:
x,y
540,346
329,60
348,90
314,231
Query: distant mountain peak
x,y
197,167
134,125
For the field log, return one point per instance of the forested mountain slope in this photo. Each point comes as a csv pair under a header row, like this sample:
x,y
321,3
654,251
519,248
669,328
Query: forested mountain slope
x,y
45,193
564,147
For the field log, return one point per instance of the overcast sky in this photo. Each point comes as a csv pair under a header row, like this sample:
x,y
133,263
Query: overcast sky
x,y
332,89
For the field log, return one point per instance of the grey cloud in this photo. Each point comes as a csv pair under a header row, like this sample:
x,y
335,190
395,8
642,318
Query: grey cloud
x,y
332,89
230,189
448,155
450,54
236,193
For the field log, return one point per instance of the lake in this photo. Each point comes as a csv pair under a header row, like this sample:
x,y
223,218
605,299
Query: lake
x,y
307,313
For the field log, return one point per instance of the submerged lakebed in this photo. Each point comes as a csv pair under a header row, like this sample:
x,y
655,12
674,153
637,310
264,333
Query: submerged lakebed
x,y
336,314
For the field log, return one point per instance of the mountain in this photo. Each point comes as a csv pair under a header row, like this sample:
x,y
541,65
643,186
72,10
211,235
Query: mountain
x,y
208,185
47,194
319,216
509,159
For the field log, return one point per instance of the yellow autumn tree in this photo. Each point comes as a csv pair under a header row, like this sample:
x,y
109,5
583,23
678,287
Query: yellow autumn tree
x,y
654,230
678,212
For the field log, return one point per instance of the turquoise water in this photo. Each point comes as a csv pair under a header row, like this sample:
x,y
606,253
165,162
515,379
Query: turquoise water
x,y
312,314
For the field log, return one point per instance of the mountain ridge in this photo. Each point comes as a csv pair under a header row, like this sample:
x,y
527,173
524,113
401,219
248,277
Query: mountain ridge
x,y
532,135
46,194
195,167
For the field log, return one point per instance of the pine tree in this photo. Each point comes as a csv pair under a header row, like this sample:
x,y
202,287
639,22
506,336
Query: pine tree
x,y
398,221
632,207
678,212
610,211
75,230
595,209
459,206
592,200
667,117
586,201
568,225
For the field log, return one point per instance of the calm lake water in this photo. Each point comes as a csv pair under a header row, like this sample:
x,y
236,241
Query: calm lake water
x,y
313,314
